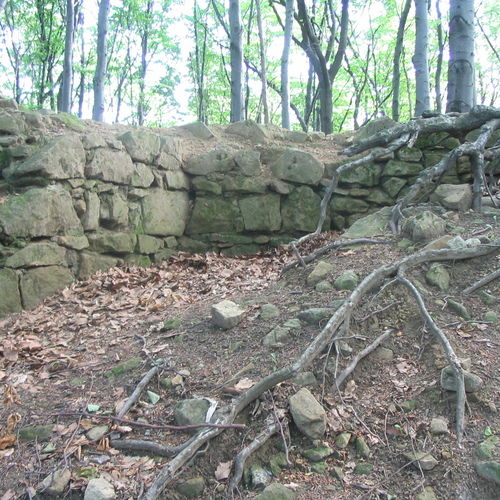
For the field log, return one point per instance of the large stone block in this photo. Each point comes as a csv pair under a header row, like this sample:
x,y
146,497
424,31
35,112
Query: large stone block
x,y
365,175
348,205
165,212
300,210
453,196
37,255
308,415
40,282
141,144
397,168
218,160
250,130
10,298
90,219
109,242
61,158
261,213
298,166
113,211
215,215
248,162
39,212
142,176
90,263
111,166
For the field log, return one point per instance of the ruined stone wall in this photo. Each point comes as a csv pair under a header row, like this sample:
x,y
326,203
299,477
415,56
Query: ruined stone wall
x,y
79,197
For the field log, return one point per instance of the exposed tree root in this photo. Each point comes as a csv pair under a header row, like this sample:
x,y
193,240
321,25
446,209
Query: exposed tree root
x,y
242,456
137,392
483,281
226,415
149,447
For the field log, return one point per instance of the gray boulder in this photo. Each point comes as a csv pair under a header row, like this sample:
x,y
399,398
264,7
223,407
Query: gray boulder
x,y
300,210
40,282
111,166
214,215
99,489
453,196
199,130
218,160
141,144
370,225
308,415
261,213
424,226
38,254
165,212
321,271
55,483
298,166
226,314
248,129
191,412
438,276
449,381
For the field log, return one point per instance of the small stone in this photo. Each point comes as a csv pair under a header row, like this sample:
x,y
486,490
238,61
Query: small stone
x,y
362,448
438,426
317,453
489,470
305,378
55,483
344,347
259,477
226,314
124,367
316,314
427,494
408,406
276,462
319,273
491,316
49,448
438,276
38,432
99,489
448,380
383,353
276,337
323,286
346,281
97,433
191,488
488,448
177,380
363,469
172,323
422,459
337,473
456,243
342,440
487,298
191,412
319,467
308,415
292,323
277,491
269,311
458,308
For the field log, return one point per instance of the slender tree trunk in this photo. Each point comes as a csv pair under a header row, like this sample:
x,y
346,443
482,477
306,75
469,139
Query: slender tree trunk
x,y
461,63
2,5
100,70
262,53
141,106
396,72
236,53
67,79
439,62
420,60
285,83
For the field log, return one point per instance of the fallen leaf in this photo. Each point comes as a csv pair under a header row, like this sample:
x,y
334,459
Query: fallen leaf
x,y
223,471
7,441
244,384
10,395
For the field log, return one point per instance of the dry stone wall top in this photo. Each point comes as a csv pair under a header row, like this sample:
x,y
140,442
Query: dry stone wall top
x,y
77,197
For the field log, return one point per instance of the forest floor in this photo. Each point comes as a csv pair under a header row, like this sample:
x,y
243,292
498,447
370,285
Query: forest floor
x,y
56,362
57,358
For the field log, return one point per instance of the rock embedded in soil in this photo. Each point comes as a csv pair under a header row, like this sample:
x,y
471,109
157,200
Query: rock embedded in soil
x,y
489,470
438,276
55,483
38,432
277,337
346,281
317,453
337,473
269,311
316,314
363,469
323,286
383,353
277,491
321,271
362,447
305,378
99,489
449,382
319,467
308,415
276,462
438,426
458,308
226,314
258,477
422,459
427,494
342,440
191,412
491,316
489,448
424,226
192,488
97,433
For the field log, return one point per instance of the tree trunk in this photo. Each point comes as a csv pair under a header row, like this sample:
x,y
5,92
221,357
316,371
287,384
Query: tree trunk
x,y
262,53
236,53
141,106
285,81
396,72
2,5
439,62
100,70
461,63
420,62
67,78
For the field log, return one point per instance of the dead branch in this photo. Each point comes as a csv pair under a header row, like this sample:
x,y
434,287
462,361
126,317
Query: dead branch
x,y
448,349
242,456
367,350
226,415
483,281
330,246
148,447
430,176
137,392
164,427
444,123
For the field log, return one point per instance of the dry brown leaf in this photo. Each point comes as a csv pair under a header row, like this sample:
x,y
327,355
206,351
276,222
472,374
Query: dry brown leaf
x,y
12,420
223,471
244,384
10,395
10,353
7,441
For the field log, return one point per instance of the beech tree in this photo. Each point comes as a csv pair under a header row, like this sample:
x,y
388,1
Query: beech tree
x,y
67,77
285,83
100,70
420,62
236,54
461,63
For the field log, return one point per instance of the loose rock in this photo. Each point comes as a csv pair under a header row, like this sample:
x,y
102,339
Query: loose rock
x,y
99,489
309,416
226,314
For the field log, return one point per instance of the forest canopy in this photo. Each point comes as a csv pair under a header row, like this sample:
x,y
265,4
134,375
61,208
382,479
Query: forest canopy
x,y
158,63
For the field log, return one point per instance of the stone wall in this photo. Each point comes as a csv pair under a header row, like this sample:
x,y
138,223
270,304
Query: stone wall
x,y
77,197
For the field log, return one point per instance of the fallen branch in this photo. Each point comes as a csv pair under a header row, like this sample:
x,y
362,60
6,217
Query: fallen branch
x,y
448,349
137,392
149,447
367,350
242,456
483,281
227,414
